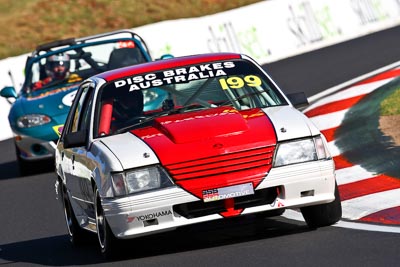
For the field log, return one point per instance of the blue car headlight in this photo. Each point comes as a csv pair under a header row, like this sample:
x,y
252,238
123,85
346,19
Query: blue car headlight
x,y
32,120
299,151
139,180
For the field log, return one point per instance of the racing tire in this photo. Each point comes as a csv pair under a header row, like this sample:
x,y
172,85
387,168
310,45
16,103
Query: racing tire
x,y
323,214
76,234
107,240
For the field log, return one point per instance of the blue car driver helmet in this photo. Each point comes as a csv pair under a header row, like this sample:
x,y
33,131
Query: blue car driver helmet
x,y
57,66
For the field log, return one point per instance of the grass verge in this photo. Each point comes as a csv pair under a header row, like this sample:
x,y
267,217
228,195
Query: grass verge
x,y
27,23
391,105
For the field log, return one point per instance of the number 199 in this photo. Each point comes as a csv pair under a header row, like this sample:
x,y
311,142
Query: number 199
x,y
237,82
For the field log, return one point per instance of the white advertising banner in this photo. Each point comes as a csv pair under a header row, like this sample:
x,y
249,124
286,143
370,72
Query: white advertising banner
x,y
272,30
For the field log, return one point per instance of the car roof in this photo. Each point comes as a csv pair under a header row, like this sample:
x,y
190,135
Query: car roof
x,y
165,64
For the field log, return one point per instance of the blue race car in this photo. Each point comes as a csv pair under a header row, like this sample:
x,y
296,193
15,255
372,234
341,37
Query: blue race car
x,y
53,73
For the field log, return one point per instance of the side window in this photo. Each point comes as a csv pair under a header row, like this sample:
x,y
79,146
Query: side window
x,y
84,122
77,116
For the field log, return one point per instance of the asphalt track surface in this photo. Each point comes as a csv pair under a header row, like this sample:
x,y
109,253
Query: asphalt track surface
x,y
33,230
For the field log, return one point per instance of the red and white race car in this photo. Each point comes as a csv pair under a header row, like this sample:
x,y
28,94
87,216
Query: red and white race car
x,y
155,146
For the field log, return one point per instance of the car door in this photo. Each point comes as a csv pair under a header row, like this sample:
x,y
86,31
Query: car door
x,y
76,166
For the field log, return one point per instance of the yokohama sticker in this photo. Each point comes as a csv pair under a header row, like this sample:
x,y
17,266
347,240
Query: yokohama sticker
x,y
153,215
228,192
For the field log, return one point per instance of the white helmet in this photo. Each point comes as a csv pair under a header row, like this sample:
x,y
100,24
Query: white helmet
x,y
57,66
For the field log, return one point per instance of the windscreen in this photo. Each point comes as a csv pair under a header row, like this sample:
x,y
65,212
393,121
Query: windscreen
x,y
140,98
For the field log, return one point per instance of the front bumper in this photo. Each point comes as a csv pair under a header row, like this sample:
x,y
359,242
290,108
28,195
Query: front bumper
x,y
34,149
297,186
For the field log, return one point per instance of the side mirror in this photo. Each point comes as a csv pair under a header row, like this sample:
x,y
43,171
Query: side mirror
x,y
75,139
8,91
298,100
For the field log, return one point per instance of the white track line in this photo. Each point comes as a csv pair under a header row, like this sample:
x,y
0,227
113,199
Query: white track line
x,y
352,174
328,121
356,208
333,149
368,227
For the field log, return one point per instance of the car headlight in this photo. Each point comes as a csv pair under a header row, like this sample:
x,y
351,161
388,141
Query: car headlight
x,y
139,180
301,151
32,120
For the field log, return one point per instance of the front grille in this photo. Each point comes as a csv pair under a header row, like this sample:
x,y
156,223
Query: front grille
x,y
222,164
200,208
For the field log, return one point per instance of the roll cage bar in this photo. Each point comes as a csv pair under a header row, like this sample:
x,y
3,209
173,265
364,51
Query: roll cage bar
x,y
72,41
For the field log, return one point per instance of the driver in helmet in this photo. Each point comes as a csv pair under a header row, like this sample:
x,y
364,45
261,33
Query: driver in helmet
x,y
57,66
57,69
